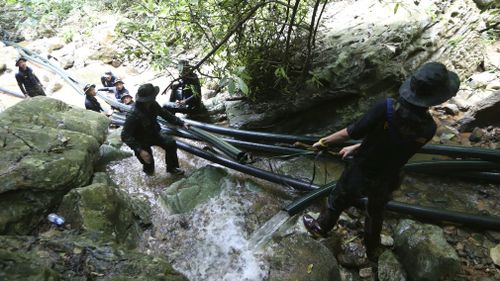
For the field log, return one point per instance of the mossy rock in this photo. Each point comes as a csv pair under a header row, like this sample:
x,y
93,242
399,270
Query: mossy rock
x,y
299,257
105,209
46,148
424,252
64,255
184,195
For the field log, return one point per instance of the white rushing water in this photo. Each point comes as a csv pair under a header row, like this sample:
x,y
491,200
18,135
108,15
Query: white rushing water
x,y
214,245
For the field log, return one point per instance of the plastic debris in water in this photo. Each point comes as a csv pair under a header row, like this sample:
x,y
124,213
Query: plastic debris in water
x,y
55,219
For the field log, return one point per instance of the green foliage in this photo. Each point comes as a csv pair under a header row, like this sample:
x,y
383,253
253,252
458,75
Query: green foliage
x,y
253,61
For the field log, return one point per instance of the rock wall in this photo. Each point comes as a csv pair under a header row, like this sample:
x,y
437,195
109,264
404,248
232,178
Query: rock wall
x,y
364,50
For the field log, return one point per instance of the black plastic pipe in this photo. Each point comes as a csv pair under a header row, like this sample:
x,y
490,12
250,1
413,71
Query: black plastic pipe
x,y
301,203
250,170
449,150
451,165
221,145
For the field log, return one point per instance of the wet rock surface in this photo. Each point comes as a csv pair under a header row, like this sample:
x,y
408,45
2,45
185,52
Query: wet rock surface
x,y
299,257
424,252
104,209
64,255
184,195
389,268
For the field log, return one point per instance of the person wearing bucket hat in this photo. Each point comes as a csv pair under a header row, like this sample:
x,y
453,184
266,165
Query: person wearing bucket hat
x,y
27,81
141,131
108,79
118,89
392,132
91,102
127,99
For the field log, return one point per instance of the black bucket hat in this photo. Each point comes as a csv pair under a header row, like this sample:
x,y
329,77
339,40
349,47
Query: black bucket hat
x,y
88,87
124,96
431,85
20,59
147,93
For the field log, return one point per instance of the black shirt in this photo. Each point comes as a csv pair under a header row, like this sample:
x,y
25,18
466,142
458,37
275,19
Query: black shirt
x,y
91,103
141,126
189,89
383,153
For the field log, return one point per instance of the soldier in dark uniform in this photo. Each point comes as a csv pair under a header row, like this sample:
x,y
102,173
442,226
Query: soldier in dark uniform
x,y
108,79
392,131
185,96
142,130
28,82
91,102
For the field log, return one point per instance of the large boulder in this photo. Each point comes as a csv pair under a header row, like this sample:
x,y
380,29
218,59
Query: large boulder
x,y
366,49
66,256
107,210
46,148
299,257
184,195
424,252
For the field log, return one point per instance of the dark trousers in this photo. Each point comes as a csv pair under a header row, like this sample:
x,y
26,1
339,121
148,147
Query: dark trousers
x,y
35,91
352,185
168,144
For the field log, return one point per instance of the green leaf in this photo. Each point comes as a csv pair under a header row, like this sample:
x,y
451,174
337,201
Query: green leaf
x,y
242,85
396,8
231,87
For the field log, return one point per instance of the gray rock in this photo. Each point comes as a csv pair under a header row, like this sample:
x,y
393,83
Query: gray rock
x,y
389,268
299,257
46,148
495,254
106,210
366,272
424,252
114,138
483,114
485,4
64,255
476,135
184,195
108,153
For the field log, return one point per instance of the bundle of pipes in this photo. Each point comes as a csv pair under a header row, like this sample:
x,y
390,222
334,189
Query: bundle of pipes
x,y
470,169
316,192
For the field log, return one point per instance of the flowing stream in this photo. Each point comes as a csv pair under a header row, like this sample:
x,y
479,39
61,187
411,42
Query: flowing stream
x,y
216,241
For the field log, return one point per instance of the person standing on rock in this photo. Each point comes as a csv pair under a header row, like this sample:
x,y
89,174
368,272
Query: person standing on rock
x,y
91,102
392,131
108,79
142,130
28,82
